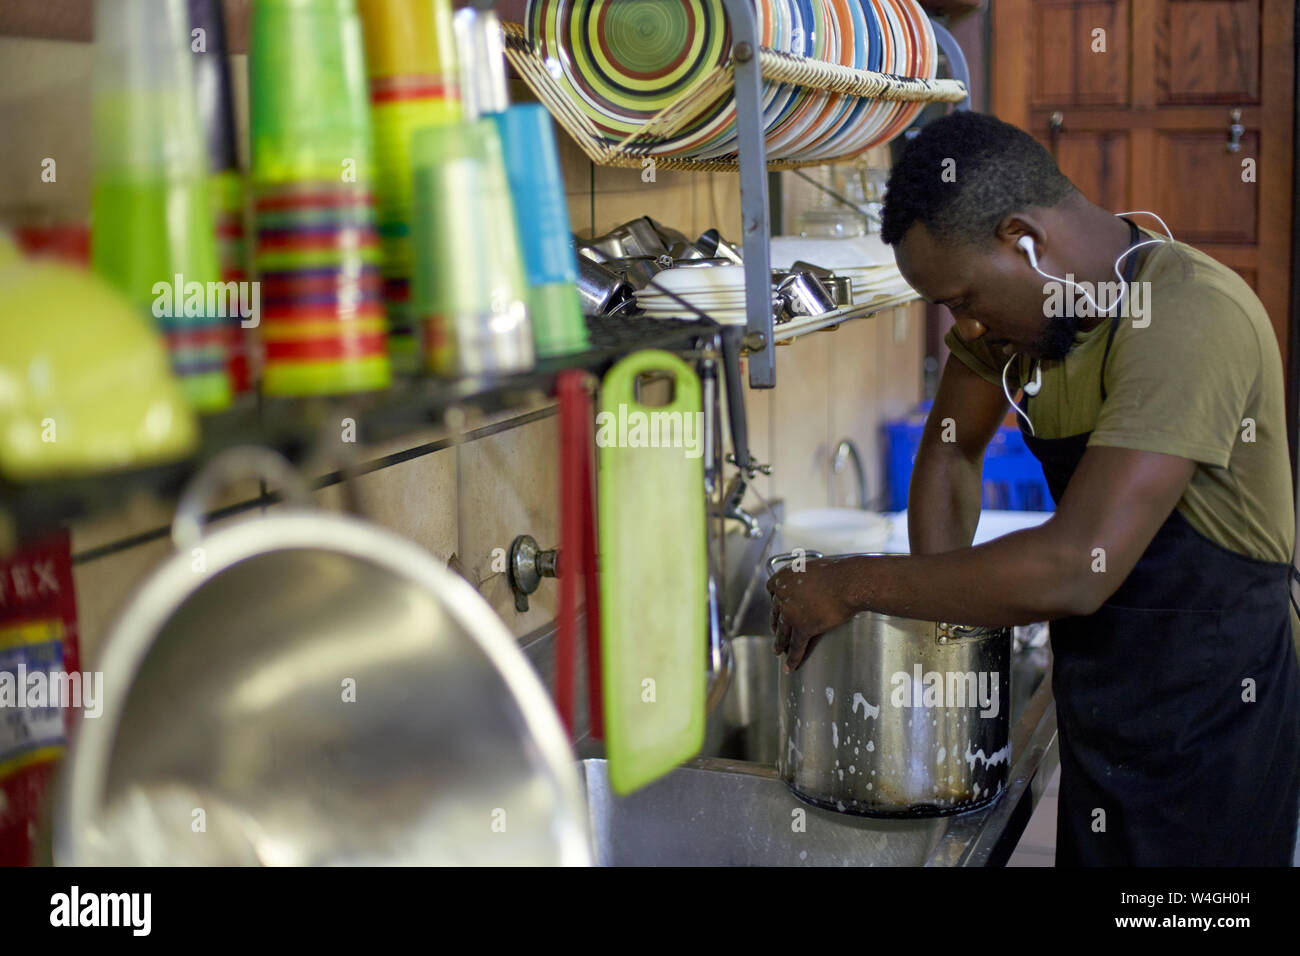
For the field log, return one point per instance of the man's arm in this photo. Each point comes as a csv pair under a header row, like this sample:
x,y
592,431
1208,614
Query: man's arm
x,y
943,503
1116,501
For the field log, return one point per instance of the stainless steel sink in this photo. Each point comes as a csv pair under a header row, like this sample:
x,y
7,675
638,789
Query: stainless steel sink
x,y
716,811
727,813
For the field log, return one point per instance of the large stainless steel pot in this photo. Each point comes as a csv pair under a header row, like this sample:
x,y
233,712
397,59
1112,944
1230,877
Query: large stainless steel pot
x,y
890,716
309,688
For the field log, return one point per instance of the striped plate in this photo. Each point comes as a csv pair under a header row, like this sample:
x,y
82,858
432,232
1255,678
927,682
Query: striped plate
x,y
623,62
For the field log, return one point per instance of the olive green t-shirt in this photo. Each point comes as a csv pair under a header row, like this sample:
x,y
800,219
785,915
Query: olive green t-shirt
x,y
1197,374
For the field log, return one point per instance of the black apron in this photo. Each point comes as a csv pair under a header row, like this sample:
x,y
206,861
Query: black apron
x,y
1163,763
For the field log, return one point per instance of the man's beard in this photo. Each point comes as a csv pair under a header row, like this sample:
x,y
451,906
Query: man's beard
x,y
1058,338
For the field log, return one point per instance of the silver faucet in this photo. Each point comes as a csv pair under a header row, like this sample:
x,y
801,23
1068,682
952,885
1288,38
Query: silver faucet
x,y
730,508
846,451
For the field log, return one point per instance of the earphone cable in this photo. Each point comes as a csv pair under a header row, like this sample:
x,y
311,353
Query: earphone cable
x,y
1007,392
1123,291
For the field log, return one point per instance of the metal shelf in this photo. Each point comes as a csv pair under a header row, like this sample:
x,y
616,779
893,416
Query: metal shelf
x,y
294,427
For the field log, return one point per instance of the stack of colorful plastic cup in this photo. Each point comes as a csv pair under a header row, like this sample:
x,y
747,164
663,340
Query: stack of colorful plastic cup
x,y
152,228
212,78
542,217
317,255
410,56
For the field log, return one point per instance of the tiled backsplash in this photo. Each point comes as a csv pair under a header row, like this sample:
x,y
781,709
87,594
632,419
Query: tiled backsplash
x,y
832,384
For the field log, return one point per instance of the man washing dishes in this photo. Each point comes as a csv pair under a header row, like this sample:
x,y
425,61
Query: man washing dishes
x,y
1156,409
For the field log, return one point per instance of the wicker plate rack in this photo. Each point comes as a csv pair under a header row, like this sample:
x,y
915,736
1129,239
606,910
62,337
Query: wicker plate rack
x,y
775,67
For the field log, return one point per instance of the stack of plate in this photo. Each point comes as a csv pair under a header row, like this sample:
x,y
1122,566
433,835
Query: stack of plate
x,y
865,260
717,291
871,282
621,63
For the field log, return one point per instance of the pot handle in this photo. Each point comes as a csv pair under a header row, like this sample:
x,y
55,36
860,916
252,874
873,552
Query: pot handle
x,y
951,633
776,559
242,461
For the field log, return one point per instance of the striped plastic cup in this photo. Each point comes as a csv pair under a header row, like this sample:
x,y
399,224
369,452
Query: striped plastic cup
x,y
317,253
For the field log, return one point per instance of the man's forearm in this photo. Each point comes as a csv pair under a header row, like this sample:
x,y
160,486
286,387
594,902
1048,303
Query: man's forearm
x,y
943,503
1021,578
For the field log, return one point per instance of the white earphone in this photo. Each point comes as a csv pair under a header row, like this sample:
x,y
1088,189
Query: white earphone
x,y
1034,387
1026,243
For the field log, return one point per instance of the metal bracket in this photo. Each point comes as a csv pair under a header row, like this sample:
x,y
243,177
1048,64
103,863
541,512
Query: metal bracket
x,y
753,469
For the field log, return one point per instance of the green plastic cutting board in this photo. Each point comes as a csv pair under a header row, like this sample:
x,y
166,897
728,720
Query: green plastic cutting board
x,y
653,584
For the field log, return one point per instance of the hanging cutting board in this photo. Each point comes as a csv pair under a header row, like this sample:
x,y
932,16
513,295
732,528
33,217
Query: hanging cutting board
x,y
653,570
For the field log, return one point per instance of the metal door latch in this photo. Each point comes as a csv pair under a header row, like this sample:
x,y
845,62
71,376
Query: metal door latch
x,y
1055,126
1235,132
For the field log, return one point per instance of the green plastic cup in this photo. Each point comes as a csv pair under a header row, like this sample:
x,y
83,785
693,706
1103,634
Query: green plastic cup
x,y
309,94
469,285
152,217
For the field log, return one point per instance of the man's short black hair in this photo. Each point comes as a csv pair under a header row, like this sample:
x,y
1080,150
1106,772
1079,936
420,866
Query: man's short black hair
x,y
992,169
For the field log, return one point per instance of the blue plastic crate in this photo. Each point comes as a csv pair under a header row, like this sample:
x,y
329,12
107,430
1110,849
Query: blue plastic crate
x,y
1013,479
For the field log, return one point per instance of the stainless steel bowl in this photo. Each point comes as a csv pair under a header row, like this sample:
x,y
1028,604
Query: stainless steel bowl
x,y
319,691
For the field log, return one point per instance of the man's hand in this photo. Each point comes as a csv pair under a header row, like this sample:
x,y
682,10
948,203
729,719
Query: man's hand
x,y
805,605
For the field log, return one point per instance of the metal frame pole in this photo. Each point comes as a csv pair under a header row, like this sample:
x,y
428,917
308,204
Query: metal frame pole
x,y
753,192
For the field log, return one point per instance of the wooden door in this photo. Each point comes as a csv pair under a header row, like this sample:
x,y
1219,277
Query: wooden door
x,y
1144,94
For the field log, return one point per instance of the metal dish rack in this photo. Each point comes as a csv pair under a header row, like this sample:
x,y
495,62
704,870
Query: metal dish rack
x,y
748,67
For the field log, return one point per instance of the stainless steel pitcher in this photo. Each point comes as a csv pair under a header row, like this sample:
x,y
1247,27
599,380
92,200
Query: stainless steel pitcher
x,y
890,716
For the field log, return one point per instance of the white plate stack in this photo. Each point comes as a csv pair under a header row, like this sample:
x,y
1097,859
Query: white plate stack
x,y
717,291
865,260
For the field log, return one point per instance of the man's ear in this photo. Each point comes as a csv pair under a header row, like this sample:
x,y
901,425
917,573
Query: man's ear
x,y
1016,226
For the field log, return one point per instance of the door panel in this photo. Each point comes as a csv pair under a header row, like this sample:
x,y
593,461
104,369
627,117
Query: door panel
x,y
1098,164
1207,51
1075,66
1200,192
